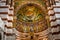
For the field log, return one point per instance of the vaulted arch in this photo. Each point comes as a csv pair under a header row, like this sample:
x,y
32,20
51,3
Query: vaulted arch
x,y
42,3
31,16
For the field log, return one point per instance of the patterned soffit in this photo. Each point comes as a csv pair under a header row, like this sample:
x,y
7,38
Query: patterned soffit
x,y
19,3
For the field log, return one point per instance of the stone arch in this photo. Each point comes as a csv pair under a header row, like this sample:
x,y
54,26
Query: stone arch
x,y
35,3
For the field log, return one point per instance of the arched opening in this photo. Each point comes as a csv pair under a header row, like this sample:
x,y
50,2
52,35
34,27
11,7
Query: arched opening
x,y
31,18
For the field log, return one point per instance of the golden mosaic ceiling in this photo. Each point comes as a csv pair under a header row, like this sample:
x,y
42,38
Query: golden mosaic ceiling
x,y
31,18
30,13
18,3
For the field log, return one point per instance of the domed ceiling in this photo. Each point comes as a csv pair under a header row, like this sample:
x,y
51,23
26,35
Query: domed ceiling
x,y
30,13
31,16
18,3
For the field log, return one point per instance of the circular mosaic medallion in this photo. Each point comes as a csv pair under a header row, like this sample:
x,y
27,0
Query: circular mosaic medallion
x,y
30,18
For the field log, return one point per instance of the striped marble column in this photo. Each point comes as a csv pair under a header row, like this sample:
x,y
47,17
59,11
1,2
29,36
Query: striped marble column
x,y
6,14
55,30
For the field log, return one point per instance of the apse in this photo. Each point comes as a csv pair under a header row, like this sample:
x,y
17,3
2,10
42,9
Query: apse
x,y
31,18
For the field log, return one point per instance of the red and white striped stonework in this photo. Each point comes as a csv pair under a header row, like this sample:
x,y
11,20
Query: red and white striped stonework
x,y
10,33
6,14
55,20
